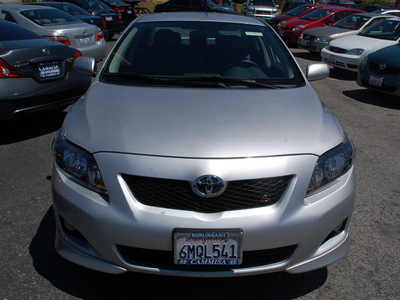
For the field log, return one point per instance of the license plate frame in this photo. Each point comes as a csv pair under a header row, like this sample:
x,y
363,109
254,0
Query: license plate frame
x,y
49,70
375,81
208,246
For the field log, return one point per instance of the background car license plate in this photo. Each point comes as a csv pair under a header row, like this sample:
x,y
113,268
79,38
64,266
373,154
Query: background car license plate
x,y
375,81
208,247
109,18
85,41
49,69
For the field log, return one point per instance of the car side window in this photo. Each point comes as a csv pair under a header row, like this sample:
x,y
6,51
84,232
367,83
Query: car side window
x,y
7,16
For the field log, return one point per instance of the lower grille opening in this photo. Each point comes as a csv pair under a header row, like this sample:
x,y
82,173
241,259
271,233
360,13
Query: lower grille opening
x,y
165,260
336,231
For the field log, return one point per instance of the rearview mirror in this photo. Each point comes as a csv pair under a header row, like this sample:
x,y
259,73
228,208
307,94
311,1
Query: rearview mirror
x,y
317,71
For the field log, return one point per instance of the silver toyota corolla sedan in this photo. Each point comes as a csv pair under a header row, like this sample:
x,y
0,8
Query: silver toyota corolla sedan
x,y
58,26
202,150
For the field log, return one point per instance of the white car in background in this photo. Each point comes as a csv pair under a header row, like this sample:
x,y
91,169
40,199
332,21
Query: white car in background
x,y
347,52
315,39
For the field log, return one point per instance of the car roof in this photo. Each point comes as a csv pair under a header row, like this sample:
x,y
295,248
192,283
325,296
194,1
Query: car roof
x,y
24,7
200,17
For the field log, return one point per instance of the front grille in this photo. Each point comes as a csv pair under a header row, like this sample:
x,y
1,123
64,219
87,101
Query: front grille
x,y
308,37
388,70
176,194
337,49
165,259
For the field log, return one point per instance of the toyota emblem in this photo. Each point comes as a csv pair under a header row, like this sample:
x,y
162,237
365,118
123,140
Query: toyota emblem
x,y
209,186
382,66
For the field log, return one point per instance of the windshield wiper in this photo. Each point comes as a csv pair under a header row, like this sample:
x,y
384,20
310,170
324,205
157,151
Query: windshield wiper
x,y
229,82
215,80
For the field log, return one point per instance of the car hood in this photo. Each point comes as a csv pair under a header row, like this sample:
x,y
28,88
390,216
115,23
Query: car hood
x,y
262,7
202,123
326,31
358,41
296,22
387,55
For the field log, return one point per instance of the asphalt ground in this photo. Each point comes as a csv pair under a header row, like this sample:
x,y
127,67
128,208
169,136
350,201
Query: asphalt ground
x,y
30,268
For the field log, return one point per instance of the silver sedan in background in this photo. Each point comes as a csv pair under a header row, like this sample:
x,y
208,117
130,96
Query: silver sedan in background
x,y
58,26
201,149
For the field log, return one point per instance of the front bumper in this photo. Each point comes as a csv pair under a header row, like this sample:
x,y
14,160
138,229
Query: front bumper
x,y
289,36
312,46
105,227
380,82
341,61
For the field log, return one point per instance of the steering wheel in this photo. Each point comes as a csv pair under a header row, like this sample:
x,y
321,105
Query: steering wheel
x,y
244,63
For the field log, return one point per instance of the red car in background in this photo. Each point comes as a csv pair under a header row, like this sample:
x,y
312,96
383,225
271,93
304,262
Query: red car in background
x,y
292,29
294,13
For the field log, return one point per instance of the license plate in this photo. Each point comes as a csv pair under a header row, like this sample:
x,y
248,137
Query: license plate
x,y
208,247
280,33
109,18
129,11
85,41
375,81
49,70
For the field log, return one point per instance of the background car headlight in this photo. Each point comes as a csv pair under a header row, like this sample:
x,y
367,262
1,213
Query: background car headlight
x,y
356,51
298,27
332,164
323,39
79,164
281,23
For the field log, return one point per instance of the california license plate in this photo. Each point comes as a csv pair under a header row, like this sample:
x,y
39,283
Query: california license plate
x,y
49,70
129,11
85,41
109,18
208,247
375,81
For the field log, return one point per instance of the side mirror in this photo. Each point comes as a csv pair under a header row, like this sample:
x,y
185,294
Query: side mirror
x,y
86,66
317,71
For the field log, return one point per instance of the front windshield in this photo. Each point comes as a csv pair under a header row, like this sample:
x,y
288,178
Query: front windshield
x,y
185,50
317,14
298,10
385,29
270,3
352,22
49,17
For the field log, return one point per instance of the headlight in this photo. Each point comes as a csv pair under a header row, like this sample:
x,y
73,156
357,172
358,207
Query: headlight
x,y
323,39
331,165
79,164
281,23
297,28
251,10
356,51
364,61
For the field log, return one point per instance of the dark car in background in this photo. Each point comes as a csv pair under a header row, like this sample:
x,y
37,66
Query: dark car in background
x,y
374,7
35,74
96,8
189,5
379,71
77,12
125,11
